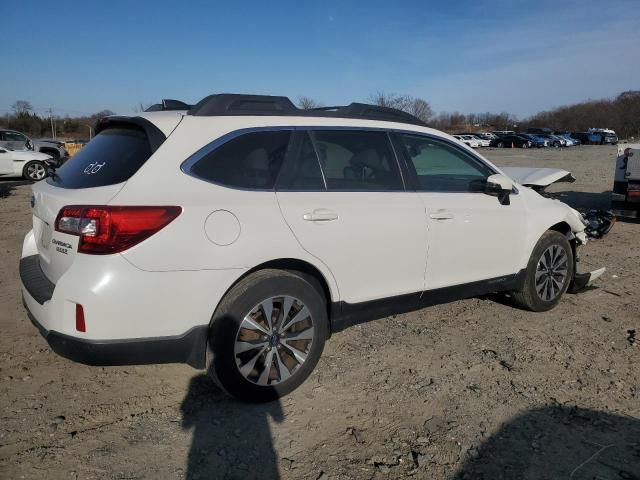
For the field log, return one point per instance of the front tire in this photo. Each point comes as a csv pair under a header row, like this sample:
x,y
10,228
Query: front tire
x,y
500,145
34,171
267,335
548,274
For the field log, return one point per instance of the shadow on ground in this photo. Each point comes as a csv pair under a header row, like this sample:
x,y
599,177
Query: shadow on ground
x,y
7,186
231,440
585,200
558,442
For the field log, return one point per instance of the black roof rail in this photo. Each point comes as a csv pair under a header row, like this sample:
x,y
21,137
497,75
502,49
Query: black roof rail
x,y
167,105
231,104
237,104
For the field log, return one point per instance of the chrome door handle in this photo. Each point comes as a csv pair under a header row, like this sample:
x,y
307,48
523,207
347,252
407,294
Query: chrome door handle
x,y
320,216
441,215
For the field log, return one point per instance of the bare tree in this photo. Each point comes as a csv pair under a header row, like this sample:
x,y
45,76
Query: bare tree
x,y
21,107
417,107
101,114
307,103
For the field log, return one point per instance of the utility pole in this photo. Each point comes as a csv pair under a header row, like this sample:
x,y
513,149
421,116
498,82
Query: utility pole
x,y
53,128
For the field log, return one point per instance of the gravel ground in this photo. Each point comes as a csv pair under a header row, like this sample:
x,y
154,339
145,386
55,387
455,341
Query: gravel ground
x,y
473,389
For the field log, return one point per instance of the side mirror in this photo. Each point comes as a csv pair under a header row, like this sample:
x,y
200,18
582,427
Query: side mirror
x,y
500,186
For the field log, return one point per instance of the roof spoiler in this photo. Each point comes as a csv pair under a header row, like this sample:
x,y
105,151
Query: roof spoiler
x,y
168,105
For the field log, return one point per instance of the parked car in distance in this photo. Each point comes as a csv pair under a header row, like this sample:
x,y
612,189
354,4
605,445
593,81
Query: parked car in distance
x,y
469,140
24,163
571,140
19,141
234,235
535,140
507,141
582,137
499,133
607,137
484,142
553,140
539,131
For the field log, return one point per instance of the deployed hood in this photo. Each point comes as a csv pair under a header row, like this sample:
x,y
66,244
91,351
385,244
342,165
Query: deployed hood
x,y
538,178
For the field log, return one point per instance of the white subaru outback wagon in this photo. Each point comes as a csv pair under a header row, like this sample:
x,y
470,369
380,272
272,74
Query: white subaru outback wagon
x,y
236,234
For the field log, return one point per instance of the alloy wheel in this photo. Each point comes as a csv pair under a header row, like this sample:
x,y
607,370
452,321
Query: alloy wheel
x,y
274,340
551,273
36,171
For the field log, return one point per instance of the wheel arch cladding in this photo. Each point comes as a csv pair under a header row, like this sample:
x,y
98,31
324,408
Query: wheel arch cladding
x,y
292,265
565,229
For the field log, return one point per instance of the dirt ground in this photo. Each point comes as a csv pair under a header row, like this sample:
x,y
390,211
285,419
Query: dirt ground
x,y
469,390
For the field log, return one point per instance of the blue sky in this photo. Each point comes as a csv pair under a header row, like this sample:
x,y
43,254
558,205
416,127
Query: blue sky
x,y
471,56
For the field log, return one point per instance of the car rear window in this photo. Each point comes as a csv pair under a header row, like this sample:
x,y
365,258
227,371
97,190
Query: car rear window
x,y
112,157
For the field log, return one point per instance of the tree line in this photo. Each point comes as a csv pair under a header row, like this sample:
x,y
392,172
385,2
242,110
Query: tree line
x,y
621,114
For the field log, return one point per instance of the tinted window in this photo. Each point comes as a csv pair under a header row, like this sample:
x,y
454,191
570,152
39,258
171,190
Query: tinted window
x,y
252,160
14,137
441,167
357,160
113,156
303,173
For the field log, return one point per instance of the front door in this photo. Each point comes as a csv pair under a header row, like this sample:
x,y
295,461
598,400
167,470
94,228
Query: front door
x,y
472,235
342,195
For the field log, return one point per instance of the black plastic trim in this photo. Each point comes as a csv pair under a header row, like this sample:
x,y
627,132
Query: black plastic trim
x,y
344,314
189,348
154,134
34,279
232,104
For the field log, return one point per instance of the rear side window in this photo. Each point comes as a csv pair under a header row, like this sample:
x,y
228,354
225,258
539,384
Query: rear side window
x,y
112,157
250,161
357,160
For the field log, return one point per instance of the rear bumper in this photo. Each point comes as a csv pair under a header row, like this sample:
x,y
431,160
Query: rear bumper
x,y
189,348
132,316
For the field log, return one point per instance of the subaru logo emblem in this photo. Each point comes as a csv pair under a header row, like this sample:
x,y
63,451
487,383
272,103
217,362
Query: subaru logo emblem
x,y
33,201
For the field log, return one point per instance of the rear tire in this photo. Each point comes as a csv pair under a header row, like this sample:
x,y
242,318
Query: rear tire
x,y
257,360
548,274
500,145
524,145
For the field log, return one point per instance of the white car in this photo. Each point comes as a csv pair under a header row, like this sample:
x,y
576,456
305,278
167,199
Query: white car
x,y
469,140
482,141
236,235
23,163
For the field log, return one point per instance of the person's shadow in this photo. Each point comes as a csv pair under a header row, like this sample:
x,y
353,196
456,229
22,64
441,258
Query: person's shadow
x,y
559,443
231,440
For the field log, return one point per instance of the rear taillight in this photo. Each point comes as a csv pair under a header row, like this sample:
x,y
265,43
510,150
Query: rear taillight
x,y
633,193
106,229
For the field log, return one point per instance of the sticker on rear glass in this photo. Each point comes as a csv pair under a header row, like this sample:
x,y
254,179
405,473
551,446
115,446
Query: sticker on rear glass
x,y
93,168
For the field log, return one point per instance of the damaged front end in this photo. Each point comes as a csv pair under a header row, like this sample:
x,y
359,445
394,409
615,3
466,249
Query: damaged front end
x,y
578,238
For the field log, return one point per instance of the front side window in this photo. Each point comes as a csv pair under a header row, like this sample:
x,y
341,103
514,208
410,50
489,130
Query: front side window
x,y
357,160
250,161
441,167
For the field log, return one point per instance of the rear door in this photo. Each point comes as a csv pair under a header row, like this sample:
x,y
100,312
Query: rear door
x,y
472,236
344,199
92,177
